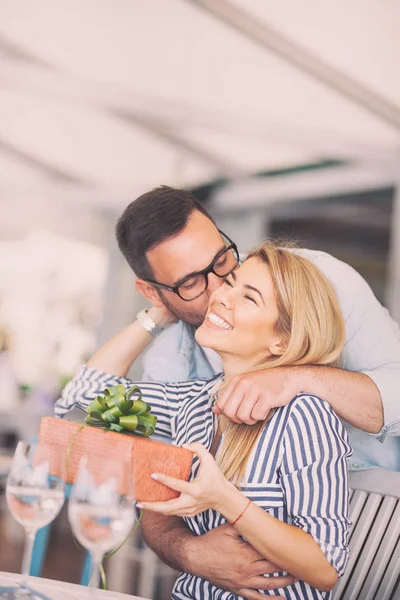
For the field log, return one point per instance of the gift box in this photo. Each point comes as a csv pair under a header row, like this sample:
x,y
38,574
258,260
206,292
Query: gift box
x,y
128,454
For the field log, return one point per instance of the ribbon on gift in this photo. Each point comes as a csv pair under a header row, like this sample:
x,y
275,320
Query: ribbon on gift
x,y
117,411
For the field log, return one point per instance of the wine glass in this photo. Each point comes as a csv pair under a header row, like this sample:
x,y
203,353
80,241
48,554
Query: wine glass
x,y
101,508
35,494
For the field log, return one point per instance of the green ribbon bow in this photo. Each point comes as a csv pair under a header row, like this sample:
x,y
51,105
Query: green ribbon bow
x,y
116,411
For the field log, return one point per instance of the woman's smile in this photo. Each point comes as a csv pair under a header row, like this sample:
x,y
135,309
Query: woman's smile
x,y
216,321
245,314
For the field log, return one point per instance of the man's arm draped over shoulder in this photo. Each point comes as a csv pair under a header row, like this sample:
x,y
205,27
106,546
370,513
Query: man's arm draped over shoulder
x,y
365,394
372,354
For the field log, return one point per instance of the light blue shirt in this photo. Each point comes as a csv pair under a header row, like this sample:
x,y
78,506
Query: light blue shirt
x,y
372,347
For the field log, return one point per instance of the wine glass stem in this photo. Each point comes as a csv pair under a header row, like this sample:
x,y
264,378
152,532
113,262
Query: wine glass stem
x,y
27,559
95,576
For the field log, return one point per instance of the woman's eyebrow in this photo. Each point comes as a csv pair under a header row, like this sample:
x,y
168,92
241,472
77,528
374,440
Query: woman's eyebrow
x,y
247,286
250,287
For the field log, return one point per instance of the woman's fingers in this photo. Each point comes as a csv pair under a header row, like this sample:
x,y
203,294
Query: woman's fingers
x,y
172,482
202,452
196,447
166,508
184,506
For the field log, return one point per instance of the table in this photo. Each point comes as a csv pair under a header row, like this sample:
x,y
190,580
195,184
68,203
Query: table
x,y
59,590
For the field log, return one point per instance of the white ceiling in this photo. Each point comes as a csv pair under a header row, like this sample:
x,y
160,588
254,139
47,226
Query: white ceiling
x,y
113,97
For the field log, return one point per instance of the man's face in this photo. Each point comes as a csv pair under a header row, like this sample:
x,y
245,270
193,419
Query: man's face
x,y
190,251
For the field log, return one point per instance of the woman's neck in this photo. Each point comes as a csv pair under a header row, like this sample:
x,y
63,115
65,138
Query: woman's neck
x,y
235,366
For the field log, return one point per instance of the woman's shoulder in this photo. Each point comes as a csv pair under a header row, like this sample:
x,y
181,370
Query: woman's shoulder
x,y
310,408
311,400
207,384
198,387
304,416
311,432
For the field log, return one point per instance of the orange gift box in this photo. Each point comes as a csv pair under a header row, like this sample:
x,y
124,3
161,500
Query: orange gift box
x,y
126,452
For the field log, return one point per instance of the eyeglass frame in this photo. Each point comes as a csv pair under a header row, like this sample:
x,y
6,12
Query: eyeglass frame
x,y
210,269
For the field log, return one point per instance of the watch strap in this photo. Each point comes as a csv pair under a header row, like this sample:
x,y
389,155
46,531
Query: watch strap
x,y
148,324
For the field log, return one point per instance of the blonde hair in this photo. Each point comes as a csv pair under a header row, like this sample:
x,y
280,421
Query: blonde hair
x,y
311,327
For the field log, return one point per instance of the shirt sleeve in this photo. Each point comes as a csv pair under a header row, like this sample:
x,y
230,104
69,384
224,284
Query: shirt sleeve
x,y
165,399
372,337
314,476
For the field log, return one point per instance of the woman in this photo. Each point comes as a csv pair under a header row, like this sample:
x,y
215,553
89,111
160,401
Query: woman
x,y
281,483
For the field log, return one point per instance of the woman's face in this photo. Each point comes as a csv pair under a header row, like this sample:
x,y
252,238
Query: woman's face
x,y
241,316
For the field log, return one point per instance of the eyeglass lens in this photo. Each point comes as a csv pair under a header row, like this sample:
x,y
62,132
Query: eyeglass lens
x,y
195,286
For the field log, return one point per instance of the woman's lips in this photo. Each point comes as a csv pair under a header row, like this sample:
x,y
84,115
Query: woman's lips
x,y
216,321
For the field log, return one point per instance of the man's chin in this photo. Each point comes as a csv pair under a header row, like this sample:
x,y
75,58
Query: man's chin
x,y
195,321
190,317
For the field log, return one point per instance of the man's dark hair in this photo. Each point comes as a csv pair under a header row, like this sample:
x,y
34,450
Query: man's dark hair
x,y
150,220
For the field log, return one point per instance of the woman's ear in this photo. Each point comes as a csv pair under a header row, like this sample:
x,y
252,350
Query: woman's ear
x,y
277,347
149,292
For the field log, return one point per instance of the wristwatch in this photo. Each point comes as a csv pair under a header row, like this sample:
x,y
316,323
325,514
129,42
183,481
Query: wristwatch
x,y
148,324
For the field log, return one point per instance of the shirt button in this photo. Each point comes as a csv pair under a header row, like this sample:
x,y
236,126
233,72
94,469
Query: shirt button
x,y
355,465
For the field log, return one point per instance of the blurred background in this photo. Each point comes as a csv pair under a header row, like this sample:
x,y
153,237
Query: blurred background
x,y
282,117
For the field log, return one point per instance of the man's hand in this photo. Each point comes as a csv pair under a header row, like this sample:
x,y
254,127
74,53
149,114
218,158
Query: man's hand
x,y
222,557
248,398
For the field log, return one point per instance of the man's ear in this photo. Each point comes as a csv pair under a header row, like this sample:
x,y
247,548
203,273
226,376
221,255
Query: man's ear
x,y
149,292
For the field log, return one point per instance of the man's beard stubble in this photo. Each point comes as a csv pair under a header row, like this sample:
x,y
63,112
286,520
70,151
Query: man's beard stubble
x,y
191,317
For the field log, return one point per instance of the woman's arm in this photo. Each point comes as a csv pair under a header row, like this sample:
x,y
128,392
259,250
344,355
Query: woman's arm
x,y
109,365
89,383
314,482
289,547
165,398
118,354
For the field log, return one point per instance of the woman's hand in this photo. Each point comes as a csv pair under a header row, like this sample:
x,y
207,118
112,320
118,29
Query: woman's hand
x,y
210,490
162,316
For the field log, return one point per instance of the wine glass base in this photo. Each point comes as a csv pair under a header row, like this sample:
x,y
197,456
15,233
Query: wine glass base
x,y
16,593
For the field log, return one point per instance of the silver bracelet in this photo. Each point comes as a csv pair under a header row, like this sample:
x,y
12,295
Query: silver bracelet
x,y
148,324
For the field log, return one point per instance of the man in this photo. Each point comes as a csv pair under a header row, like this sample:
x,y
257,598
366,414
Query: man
x,y
180,257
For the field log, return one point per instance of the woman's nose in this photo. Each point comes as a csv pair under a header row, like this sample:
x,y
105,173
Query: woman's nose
x,y
223,294
214,282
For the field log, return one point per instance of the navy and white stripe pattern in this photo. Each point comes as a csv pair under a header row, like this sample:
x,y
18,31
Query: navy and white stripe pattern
x,y
297,471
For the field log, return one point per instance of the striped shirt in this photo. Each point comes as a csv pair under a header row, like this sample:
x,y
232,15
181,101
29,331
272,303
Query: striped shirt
x,y
297,471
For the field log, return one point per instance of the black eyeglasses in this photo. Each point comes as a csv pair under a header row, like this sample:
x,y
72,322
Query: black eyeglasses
x,y
193,286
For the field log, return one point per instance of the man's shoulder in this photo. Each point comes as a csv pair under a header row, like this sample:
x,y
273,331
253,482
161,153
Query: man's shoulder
x,y
163,360
324,261
176,356
349,285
